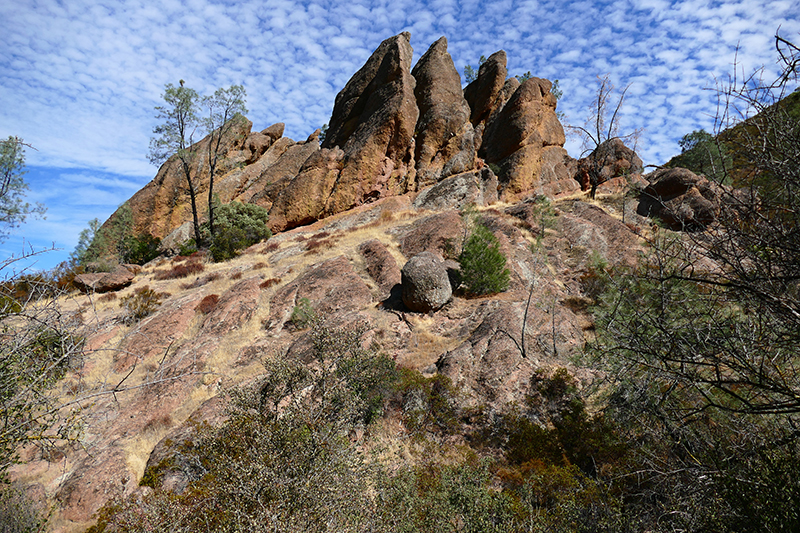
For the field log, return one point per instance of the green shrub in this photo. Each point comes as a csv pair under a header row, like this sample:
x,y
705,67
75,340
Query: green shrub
x,y
18,513
140,249
303,314
237,226
428,404
483,265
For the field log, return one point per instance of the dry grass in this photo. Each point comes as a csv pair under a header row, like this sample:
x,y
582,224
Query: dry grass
x,y
199,282
180,270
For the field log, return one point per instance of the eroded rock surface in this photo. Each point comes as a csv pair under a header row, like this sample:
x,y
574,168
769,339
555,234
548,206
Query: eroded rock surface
x,y
426,285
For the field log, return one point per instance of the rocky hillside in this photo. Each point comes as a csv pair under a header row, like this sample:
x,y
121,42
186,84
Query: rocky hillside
x,y
406,154
394,130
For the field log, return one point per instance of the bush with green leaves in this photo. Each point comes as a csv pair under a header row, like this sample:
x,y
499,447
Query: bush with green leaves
x,y
483,265
139,249
236,226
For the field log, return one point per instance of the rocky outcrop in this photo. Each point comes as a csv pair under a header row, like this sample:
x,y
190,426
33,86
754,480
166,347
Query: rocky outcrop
x,y
380,265
163,204
609,160
525,139
445,142
442,233
258,142
368,152
426,285
681,199
478,187
481,94
117,279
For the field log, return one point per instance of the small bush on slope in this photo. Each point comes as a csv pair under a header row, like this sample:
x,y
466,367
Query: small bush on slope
x,y
237,226
483,265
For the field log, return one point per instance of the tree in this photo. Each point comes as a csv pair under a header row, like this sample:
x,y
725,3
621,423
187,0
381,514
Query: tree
x,y
470,73
483,265
601,127
702,339
702,153
182,129
223,109
13,209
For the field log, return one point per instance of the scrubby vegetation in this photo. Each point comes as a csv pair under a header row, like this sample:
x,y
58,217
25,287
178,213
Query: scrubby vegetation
x,y
301,450
483,265
236,226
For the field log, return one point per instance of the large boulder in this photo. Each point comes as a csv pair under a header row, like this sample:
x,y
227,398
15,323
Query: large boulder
x,y
445,139
609,160
681,199
117,279
426,285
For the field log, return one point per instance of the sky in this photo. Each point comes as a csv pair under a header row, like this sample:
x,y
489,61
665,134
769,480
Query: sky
x,y
79,79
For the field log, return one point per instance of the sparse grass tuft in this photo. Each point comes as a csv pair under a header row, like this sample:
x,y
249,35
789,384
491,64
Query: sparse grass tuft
x,y
181,270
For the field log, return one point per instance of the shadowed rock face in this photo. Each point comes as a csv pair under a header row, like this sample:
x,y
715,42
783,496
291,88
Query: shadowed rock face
x,y
445,139
681,199
482,93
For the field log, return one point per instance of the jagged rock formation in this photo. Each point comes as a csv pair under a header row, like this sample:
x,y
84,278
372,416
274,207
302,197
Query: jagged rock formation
x,y
401,157
445,143
394,130
609,160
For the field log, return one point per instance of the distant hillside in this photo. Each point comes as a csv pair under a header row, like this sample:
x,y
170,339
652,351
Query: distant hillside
x,y
731,160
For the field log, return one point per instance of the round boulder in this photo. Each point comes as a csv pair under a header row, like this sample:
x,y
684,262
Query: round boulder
x,y
426,285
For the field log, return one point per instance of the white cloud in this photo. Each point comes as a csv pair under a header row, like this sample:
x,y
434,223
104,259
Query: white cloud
x,y
80,79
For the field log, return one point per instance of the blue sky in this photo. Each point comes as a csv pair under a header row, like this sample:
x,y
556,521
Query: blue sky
x,y
79,79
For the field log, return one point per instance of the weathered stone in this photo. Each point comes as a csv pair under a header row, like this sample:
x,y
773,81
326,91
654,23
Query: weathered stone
x,y
478,187
163,204
442,233
443,129
482,93
373,122
380,265
303,199
681,199
609,160
426,285
332,288
115,280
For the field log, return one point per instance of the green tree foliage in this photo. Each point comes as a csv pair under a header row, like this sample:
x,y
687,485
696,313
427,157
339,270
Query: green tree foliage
x,y
704,356
187,118
238,225
13,208
470,73
703,154
483,265
139,249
